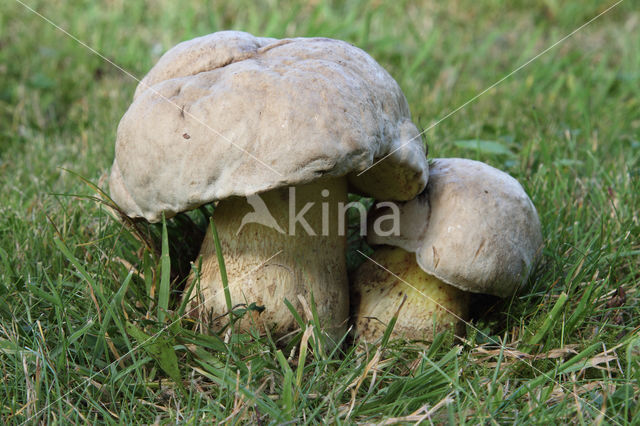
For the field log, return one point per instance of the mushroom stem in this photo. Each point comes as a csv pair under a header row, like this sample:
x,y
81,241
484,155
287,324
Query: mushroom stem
x,y
281,244
432,306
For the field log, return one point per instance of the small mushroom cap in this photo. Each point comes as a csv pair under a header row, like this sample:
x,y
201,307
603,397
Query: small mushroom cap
x,y
473,227
232,114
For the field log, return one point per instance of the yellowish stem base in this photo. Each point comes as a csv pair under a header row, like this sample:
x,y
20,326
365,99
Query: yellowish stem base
x,y
432,306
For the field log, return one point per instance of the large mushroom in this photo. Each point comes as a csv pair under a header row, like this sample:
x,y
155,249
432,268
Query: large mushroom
x,y
473,229
276,131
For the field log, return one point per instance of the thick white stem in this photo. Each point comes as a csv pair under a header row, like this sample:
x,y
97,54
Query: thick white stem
x,y
295,250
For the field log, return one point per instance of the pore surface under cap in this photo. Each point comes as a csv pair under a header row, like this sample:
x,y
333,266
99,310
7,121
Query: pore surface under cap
x,y
473,227
232,114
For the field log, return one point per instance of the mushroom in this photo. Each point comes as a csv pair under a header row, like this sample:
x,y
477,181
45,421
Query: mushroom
x,y
473,229
276,131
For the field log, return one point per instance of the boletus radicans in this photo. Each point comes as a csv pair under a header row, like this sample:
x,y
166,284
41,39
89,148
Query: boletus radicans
x,y
472,230
277,132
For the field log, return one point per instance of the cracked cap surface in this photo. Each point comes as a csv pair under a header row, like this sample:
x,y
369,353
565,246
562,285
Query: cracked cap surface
x,y
232,114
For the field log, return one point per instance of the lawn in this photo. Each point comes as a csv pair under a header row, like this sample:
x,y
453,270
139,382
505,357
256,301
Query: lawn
x,y
90,321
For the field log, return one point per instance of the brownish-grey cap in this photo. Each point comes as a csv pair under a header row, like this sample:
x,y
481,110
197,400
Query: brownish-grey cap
x,y
232,114
473,227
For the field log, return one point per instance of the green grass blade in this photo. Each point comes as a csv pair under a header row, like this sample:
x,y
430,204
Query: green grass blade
x,y
148,273
591,292
186,296
51,298
549,321
165,277
318,334
287,385
74,261
387,332
160,349
295,314
221,265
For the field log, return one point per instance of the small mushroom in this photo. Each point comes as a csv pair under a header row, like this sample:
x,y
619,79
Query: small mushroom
x,y
473,229
278,132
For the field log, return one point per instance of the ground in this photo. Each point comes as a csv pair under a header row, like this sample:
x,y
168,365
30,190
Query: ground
x,y
83,339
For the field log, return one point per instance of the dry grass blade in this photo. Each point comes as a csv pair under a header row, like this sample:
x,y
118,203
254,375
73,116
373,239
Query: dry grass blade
x,y
304,344
560,393
596,362
355,385
481,354
305,308
421,414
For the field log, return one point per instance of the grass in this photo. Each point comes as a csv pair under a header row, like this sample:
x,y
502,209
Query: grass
x,y
73,318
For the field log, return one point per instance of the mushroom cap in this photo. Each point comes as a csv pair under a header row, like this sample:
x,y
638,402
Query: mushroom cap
x,y
473,227
232,114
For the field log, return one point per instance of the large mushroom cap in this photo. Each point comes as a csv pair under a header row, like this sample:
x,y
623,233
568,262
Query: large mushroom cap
x,y
473,227
232,114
